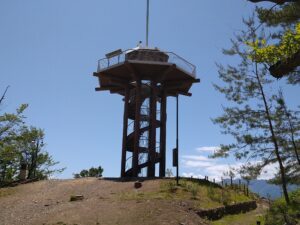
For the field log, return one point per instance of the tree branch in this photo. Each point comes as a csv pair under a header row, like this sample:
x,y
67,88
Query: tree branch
x,y
279,2
3,95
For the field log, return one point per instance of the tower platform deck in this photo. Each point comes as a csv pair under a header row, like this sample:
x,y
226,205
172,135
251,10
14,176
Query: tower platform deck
x,y
175,73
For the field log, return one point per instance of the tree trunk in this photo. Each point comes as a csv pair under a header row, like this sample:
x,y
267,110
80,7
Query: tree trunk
x,y
274,139
291,128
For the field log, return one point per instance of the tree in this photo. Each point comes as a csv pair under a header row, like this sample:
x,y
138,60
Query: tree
x,y
287,127
231,174
250,116
92,172
30,142
84,173
100,171
20,144
9,127
285,18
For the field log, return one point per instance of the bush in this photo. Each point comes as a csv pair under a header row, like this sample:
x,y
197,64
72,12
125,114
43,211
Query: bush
x,y
281,213
170,186
92,172
194,191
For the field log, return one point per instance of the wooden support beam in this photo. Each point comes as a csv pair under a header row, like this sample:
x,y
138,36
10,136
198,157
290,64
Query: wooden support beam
x,y
162,139
125,128
135,158
152,131
108,88
112,79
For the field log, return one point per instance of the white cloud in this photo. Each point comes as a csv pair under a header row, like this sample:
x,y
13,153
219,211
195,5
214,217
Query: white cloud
x,y
208,148
191,163
199,166
268,172
192,175
197,158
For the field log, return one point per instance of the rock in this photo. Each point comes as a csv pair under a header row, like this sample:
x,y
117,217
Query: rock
x,y
76,198
137,184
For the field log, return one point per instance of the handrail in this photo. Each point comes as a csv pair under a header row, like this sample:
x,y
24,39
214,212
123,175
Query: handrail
x,y
173,58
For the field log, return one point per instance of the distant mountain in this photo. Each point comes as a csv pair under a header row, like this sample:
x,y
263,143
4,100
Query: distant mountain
x,y
264,189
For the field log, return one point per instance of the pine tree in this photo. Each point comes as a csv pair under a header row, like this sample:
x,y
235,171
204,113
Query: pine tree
x,y
283,54
249,118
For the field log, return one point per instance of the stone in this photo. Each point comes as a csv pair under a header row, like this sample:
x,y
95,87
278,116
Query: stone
x,y
76,198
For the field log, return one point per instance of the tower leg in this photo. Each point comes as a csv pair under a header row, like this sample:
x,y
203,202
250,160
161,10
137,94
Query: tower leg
x,y
125,128
135,158
152,131
163,120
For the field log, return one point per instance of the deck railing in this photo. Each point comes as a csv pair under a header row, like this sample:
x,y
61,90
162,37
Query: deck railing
x,y
173,58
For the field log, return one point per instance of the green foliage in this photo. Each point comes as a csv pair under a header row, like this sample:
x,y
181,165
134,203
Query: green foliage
x,y
92,172
285,18
281,213
284,15
20,144
192,187
170,186
289,44
84,173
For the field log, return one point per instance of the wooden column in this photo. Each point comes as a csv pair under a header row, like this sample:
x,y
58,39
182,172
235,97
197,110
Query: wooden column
x,y
135,157
163,121
125,129
152,131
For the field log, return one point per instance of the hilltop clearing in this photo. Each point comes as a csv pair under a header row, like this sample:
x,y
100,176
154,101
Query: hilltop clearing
x,y
110,202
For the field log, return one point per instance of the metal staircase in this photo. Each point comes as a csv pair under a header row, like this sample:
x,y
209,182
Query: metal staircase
x,y
144,129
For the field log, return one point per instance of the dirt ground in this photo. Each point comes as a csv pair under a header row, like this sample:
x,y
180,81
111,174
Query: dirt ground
x,y
48,202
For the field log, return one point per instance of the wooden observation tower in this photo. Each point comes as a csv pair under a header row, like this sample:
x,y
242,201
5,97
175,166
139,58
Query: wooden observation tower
x,y
145,77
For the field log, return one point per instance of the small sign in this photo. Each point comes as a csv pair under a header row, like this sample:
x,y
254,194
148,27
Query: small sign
x,y
175,157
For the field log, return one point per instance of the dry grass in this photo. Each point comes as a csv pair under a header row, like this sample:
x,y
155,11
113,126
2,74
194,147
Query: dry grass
x,y
6,191
197,196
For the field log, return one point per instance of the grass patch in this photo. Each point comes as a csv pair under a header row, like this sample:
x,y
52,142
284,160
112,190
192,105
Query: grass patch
x,y
243,218
196,194
6,191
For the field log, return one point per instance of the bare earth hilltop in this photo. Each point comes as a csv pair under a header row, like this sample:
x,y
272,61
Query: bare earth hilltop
x,y
111,202
48,202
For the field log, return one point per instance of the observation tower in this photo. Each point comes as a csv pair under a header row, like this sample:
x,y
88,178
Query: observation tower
x,y
145,77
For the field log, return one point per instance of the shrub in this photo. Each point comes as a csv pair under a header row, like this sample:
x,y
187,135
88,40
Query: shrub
x,y
281,213
92,172
194,191
171,186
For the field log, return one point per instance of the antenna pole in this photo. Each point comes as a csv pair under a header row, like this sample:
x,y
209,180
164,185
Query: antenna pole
x,y
147,24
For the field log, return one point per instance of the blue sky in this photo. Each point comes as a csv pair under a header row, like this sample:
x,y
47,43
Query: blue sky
x,y
49,50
